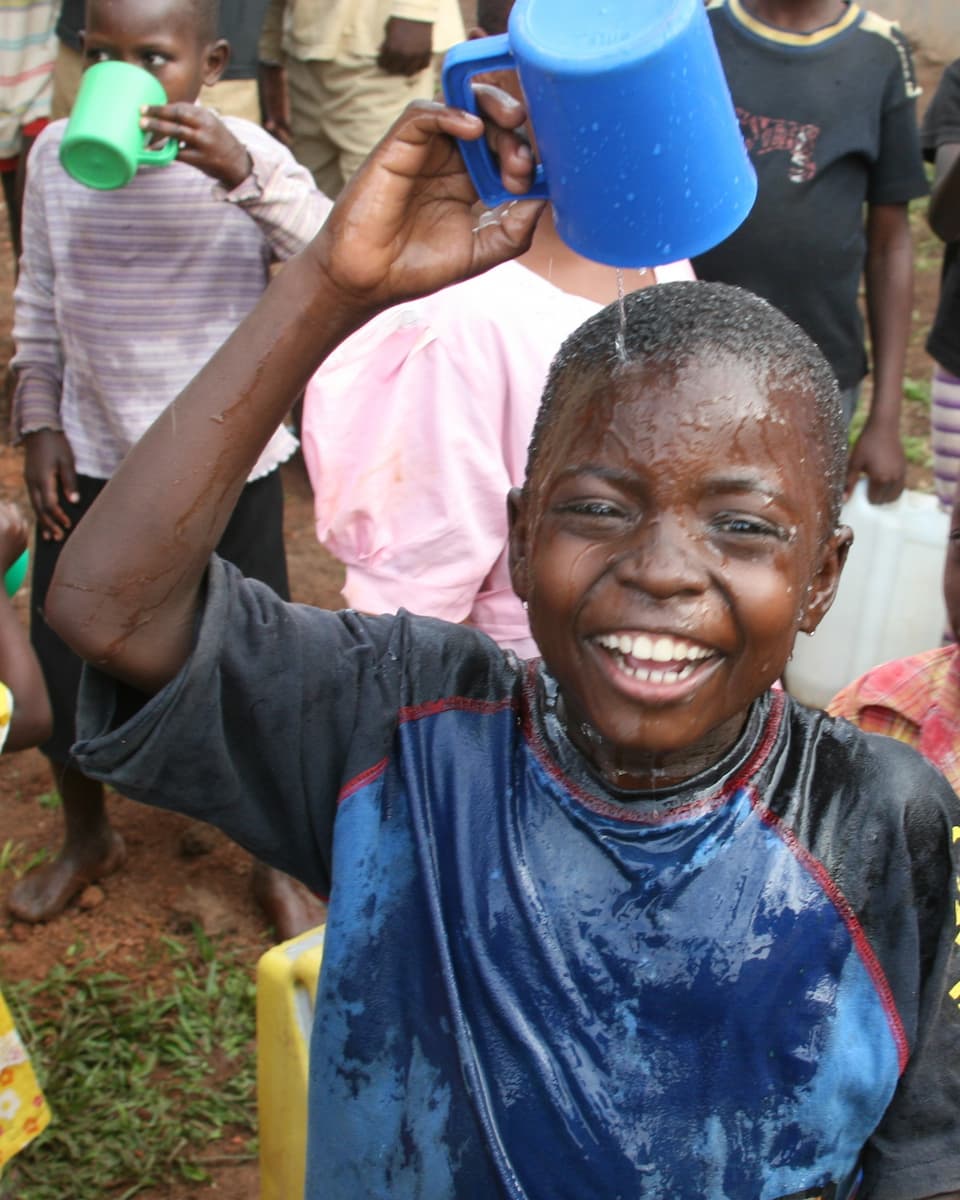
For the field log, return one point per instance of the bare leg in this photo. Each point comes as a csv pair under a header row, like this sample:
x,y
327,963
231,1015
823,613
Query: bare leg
x,y
289,906
91,849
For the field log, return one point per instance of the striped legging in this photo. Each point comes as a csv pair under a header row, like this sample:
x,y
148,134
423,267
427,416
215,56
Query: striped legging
x,y
945,435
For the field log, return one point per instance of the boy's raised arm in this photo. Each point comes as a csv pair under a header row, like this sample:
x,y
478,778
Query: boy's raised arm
x,y
127,586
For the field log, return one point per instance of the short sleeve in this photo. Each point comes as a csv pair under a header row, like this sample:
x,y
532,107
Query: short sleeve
x,y
404,433
897,175
941,122
278,709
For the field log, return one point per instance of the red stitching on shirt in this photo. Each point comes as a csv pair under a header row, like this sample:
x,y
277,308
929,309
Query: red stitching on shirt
x,y
358,781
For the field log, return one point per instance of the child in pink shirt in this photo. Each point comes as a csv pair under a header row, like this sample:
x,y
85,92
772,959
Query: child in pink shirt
x,y
416,428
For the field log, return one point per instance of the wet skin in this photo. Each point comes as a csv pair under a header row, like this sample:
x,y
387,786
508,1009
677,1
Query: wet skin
x,y
678,506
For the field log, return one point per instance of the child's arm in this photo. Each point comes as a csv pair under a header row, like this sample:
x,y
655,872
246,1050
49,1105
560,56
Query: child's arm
x,y
944,211
38,364
878,452
262,177
127,587
31,721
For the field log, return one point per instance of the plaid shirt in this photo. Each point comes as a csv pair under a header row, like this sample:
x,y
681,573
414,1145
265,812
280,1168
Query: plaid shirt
x,y
915,700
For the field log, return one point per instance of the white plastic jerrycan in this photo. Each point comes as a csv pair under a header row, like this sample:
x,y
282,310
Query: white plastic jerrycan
x,y
890,600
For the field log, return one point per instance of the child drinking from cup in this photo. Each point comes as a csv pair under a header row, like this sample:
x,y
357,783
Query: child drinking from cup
x,y
122,296
623,921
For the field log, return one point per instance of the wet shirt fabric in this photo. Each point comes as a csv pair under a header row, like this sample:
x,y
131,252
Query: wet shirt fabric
x,y
830,124
538,989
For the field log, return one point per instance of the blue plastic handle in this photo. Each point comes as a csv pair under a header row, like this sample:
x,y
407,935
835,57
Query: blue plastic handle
x,y
462,62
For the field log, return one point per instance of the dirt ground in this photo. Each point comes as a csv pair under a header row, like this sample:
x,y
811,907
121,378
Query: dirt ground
x,y
162,890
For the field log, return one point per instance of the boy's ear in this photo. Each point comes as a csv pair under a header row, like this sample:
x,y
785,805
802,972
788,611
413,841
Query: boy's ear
x,y
215,59
826,580
518,521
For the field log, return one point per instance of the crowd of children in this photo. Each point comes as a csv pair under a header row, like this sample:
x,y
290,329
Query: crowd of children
x,y
609,912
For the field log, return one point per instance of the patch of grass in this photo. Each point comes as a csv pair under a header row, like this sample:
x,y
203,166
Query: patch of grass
x,y
50,800
12,858
141,1081
917,451
917,391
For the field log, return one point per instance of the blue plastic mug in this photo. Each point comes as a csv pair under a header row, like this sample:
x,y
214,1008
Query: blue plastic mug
x,y
640,149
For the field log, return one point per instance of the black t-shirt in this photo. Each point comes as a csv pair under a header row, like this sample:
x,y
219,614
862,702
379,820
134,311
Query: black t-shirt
x,y
240,22
829,121
940,126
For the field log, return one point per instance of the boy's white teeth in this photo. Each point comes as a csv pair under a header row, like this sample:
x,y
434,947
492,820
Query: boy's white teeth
x,y
660,649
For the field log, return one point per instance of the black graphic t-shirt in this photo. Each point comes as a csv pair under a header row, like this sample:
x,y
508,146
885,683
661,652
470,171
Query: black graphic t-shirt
x,y
829,120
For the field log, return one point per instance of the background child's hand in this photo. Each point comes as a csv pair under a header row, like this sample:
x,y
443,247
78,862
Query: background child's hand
x,y
14,535
407,223
205,142
49,470
406,48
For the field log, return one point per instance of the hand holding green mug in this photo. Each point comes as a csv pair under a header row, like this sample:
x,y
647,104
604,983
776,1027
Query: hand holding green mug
x,y
103,145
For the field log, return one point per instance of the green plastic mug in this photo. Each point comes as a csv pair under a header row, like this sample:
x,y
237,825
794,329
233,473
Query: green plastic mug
x,y
103,144
16,573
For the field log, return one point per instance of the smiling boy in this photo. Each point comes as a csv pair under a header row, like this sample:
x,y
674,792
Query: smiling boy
x,y
620,922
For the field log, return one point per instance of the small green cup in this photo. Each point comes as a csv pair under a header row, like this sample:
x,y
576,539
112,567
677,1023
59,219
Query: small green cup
x,y
103,144
16,573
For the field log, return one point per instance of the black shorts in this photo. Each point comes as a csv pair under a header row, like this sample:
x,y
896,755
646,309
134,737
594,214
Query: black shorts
x,y
253,541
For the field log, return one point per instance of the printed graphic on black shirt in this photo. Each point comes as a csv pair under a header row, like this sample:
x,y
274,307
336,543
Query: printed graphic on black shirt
x,y
768,135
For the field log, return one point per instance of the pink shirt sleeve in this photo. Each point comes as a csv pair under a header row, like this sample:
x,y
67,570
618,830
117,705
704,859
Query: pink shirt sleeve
x,y
405,437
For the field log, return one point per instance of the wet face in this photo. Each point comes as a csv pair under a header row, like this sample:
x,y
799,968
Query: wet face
x,y
670,547
158,35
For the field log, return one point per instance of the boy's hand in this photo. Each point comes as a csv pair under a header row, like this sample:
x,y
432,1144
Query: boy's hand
x,y
407,47
407,223
205,142
48,470
878,454
14,535
275,102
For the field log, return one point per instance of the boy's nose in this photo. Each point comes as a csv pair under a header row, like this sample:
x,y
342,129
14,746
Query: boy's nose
x,y
663,560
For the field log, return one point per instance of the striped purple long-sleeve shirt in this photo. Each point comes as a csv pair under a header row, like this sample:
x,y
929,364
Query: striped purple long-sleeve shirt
x,y
124,295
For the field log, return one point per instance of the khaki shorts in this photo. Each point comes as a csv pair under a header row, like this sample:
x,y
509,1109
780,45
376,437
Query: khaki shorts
x,y
339,111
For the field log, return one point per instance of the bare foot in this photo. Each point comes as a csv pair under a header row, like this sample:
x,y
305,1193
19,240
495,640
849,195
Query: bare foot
x,y
49,888
289,905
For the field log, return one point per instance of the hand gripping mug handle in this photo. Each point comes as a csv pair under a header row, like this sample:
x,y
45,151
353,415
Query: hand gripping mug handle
x,y
462,62
161,156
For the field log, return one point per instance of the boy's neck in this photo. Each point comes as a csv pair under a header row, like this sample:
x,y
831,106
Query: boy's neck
x,y
796,16
552,259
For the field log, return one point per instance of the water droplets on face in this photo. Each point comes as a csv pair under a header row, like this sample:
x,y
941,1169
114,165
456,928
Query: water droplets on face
x,y
621,343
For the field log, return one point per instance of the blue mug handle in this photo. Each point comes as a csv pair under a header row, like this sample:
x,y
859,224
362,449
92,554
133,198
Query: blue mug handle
x,y
462,62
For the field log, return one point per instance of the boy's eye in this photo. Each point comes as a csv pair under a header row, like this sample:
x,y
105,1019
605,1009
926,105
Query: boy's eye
x,y
154,60
595,509
746,526
97,56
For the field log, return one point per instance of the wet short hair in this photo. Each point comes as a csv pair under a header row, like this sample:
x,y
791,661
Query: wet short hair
x,y
673,324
